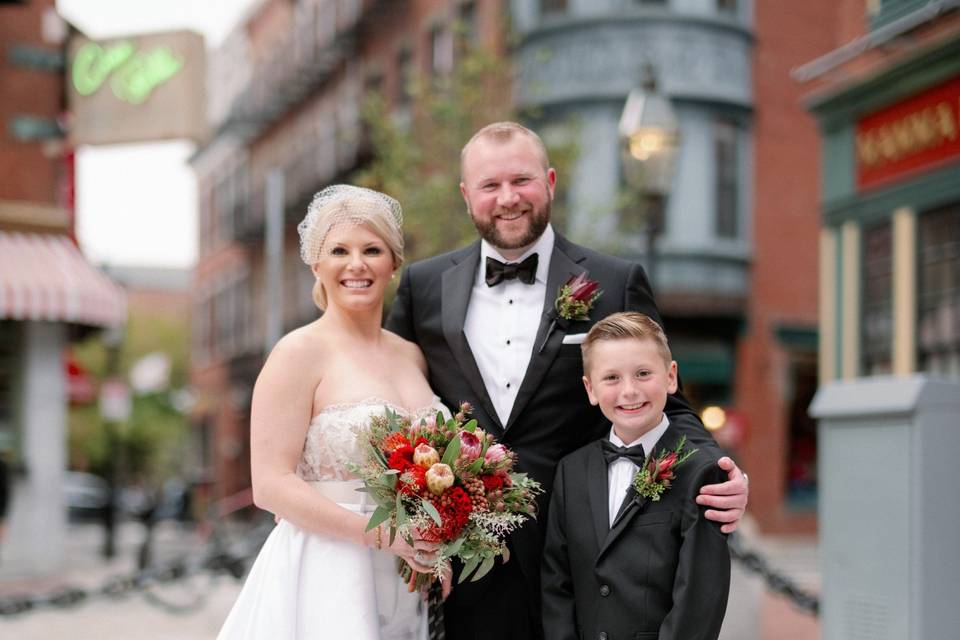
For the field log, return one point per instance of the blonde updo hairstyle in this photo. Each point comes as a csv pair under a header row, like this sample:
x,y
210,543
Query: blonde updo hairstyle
x,y
346,204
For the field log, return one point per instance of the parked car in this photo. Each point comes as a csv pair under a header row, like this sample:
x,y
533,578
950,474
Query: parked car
x,y
87,496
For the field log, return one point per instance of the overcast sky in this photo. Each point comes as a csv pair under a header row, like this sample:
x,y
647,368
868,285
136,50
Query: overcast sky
x,y
136,203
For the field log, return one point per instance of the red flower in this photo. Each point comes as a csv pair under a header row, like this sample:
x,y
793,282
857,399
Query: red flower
x,y
661,468
492,482
413,480
394,441
582,289
454,506
401,458
575,299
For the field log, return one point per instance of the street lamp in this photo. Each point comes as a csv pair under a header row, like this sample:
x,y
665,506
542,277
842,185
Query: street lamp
x,y
649,139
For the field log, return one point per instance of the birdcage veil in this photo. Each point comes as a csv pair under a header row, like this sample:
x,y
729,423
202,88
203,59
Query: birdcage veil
x,y
346,204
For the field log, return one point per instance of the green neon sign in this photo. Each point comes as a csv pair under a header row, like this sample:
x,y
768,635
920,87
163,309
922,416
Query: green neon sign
x,y
133,75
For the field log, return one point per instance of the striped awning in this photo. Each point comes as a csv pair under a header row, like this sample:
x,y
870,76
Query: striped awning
x,y
45,277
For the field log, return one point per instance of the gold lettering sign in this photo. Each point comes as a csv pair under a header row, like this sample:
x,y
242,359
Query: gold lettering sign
x,y
908,135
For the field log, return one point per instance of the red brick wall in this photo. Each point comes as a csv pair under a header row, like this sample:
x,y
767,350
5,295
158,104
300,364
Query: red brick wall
x,y
29,171
786,222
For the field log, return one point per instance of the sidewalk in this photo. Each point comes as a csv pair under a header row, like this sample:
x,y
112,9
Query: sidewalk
x,y
753,612
128,617
756,613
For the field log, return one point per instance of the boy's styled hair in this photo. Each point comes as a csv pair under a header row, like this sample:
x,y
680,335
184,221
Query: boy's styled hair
x,y
624,325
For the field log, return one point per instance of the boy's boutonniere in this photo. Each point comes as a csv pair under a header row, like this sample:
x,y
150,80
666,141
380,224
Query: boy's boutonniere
x,y
657,473
574,301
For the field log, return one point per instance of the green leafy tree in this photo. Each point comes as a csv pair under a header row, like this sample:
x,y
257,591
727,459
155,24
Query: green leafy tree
x,y
150,444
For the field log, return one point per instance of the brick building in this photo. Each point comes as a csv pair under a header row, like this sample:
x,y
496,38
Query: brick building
x,y
284,101
776,356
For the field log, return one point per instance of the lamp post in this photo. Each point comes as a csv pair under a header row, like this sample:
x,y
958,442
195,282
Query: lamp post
x,y
649,139
115,408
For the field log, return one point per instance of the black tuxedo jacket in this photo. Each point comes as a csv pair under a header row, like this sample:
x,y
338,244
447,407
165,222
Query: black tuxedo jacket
x,y
551,416
661,572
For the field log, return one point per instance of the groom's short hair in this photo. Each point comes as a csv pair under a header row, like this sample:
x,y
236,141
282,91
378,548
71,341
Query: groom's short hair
x,y
503,132
622,326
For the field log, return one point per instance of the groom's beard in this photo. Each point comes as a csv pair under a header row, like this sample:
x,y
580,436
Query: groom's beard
x,y
538,221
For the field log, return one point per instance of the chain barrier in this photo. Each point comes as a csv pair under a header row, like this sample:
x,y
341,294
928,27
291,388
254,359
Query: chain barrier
x,y
776,582
218,562
234,561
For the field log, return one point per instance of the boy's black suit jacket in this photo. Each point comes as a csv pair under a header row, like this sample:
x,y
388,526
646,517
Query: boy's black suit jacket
x,y
662,571
550,418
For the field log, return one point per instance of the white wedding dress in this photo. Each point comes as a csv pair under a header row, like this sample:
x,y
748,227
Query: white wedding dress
x,y
307,586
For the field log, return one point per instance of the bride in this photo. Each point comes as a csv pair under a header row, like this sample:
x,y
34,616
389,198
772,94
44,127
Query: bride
x,y
319,574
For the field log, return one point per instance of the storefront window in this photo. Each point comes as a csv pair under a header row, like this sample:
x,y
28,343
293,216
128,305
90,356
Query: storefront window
x,y
877,300
938,292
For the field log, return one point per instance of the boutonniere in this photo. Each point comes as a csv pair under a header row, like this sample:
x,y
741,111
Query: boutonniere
x,y
575,298
657,474
574,301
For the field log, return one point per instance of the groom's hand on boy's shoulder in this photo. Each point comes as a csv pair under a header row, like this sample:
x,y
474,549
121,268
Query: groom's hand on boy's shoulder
x,y
727,499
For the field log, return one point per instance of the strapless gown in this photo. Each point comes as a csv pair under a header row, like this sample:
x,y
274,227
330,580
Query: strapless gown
x,y
305,586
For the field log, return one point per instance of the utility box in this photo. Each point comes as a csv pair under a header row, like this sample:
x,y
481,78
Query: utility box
x,y
889,508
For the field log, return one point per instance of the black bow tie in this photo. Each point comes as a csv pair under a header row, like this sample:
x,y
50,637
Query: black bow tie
x,y
525,272
612,452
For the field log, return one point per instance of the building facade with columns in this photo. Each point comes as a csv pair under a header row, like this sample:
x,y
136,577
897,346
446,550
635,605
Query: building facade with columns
x,y
888,106
576,63
736,257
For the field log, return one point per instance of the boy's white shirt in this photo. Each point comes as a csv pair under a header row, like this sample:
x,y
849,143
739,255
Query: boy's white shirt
x,y
620,472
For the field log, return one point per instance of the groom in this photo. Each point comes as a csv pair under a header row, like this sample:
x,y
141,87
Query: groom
x,y
483,317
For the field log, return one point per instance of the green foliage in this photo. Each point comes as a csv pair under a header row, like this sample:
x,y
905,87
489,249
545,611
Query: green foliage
x,y
417,158
151,443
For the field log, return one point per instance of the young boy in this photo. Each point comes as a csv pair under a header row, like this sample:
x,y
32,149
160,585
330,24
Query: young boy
x,y
630,555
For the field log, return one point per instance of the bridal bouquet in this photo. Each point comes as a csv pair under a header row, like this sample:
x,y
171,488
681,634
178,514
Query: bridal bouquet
x,y
450,482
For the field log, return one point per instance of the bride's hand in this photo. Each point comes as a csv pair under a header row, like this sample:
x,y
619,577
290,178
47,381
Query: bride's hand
x,y
421,555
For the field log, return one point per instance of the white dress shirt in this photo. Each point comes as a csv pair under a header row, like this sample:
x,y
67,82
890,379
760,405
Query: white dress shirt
x,y
502,322
620,472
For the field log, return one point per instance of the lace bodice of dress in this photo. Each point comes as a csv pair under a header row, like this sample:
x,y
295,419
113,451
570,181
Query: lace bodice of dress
x,y
332,441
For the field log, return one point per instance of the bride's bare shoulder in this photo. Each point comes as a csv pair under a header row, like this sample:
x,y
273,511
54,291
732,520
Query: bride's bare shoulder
x,y
406,349
304,346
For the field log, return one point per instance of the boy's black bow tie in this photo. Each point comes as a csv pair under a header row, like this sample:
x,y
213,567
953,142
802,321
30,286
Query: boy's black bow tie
x,y
525,271
612,452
